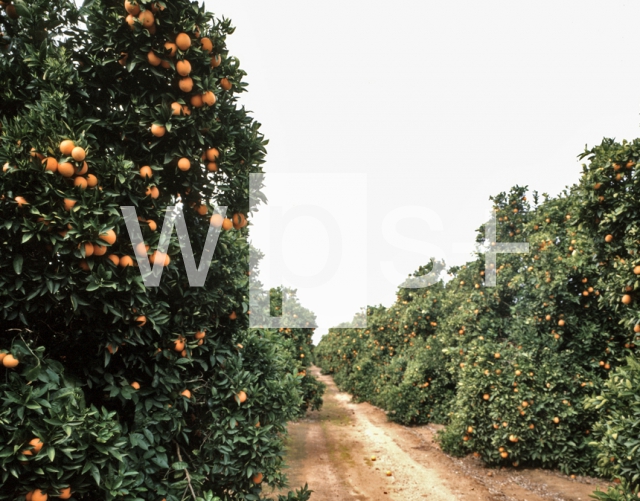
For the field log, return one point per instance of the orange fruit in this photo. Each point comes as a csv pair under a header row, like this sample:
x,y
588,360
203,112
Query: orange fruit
x,y
636,270
183,41
99,250
91,180
183,68
153,59
178,345
233,316
141,249
561,323
165,64
2,355
69,203
158,130
227,224
171,47
10,361
216,221
212,166
239,221
114,259
196,101
504,454
147,18
209,98
78,154
486,396
186,394
21,201
626,299
242,396
65,493
186,110
200,334
51,164
146,172
608,238
176,108
160,257
39,495
184,164
216,61
202,210
66,169
66,147
131,8
11,11
207,45
109,236
82,170
123,58
257,478
135,385
497,355
212,154
152,225
88,249
126,261
80,182
186,84
35,154
225,84
37,444
556,420
131,21
153,192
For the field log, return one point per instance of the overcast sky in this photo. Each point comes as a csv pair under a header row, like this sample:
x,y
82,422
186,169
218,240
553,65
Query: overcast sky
x,y
436,106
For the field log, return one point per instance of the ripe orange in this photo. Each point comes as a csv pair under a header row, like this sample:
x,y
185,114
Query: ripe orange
x,y
626,299
257,478
608,238
160,257
561,323
158,130
216,61
9,361
126,261
135,385
132,8
21,201
123,58
183,41
146,172
39,495
131,21
200,334
184,164
141,249
212,154
225,84
178,345
636,270
171,47
486,396
202,210
66,147
152,225
176,108
66,169
186,394
216,220
91,180
80,182
556,420
242,396
212,166
88,249
114,259
207,45
196,101
239,221
209,98
65,493
233,316
51,164
109,237
78,154
183,68
186,84
99,250
147,18
496,355
69,203
227,224
186,110
153,59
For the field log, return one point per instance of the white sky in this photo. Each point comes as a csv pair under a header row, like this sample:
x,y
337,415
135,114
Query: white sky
x,y
440,105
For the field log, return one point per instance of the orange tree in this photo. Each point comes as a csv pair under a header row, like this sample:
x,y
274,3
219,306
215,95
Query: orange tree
x,y
112,389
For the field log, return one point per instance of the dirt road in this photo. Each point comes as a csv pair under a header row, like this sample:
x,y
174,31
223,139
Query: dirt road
x,y
332,451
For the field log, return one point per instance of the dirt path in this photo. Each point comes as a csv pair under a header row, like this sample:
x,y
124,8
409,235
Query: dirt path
x,y
332,451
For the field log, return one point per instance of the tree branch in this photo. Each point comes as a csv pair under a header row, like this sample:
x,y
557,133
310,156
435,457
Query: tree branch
x,y
186,471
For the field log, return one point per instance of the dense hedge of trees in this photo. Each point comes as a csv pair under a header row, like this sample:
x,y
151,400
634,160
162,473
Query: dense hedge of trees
x,y
541,369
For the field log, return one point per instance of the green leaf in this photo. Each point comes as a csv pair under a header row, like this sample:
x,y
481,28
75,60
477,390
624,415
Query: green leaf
x,y
17,263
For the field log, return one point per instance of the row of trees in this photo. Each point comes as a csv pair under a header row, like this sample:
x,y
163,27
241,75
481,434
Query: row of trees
x,y
111,389
541,369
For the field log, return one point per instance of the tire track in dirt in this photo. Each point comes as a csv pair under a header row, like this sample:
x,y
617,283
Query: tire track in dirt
x,y
331,450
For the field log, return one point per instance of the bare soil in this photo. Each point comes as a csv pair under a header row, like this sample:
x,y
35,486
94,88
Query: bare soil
x,y
332,451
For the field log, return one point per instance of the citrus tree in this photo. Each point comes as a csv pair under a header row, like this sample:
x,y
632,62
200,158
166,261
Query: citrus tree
x,y
113,389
